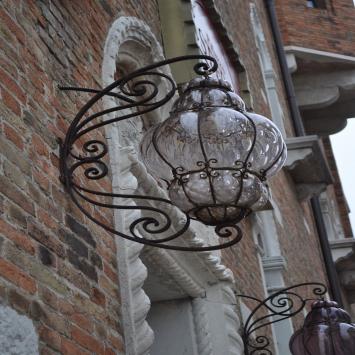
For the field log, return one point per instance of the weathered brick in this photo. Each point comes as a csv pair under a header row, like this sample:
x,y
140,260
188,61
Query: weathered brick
x,y
98,297
96,259
18,277
36,269
49,337
13,193
46,257
74,276
69,348
47,240
82,265
40,312
10,102
17,215
18,301
14,175
83,321
80,230
13,136
39,146
20,239
75,244
12,26
48,297
87,341
14,155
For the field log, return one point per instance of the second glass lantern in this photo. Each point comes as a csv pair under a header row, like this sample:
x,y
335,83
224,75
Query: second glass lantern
x,y
213,155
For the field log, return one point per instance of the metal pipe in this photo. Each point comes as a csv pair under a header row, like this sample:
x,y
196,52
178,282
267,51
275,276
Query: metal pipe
x,y
286,76
300,131
327,254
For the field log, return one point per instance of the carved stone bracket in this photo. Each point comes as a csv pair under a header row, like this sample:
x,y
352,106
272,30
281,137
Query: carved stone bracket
x,y
307,165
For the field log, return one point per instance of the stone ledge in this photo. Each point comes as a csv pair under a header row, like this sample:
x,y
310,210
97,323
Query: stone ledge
x,y
307,165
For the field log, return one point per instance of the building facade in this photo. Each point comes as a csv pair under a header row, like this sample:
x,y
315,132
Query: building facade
x,y
68,286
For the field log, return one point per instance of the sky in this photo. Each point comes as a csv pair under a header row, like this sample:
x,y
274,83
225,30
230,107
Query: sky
x,y
344,150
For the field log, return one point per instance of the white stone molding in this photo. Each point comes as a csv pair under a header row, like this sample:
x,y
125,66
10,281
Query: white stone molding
x,y
17,333
194,273
124,34
203,335
269,74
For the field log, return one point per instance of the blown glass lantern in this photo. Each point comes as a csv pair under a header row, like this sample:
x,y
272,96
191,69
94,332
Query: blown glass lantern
x,y
327,330
214,156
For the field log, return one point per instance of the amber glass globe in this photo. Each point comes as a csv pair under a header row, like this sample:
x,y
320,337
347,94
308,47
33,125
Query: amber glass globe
x,y
214,156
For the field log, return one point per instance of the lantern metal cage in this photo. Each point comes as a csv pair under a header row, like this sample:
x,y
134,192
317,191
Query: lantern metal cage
x,y
212,155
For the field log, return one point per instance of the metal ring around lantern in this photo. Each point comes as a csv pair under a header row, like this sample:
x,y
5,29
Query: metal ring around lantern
x,y
82,159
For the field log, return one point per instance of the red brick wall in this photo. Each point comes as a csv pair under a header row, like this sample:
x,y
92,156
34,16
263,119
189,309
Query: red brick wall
x,y
331,29
297,235
56,267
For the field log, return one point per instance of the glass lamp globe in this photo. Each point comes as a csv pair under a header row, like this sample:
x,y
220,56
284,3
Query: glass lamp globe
x,y
327,330
214,156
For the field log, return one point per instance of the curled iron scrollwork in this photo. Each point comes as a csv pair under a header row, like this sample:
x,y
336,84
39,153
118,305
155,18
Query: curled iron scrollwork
x,y
279,306
84,157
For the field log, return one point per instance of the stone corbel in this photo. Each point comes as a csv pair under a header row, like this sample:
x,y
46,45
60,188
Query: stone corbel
x,y
307,165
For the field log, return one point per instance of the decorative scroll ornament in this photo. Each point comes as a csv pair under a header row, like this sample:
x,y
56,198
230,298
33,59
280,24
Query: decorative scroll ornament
x,y
281,305
212,156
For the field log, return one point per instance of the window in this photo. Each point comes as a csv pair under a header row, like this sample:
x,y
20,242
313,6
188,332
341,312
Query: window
x,y
316,4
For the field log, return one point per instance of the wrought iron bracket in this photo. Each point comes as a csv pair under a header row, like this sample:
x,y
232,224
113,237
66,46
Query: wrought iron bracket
x,y
281,305
84,156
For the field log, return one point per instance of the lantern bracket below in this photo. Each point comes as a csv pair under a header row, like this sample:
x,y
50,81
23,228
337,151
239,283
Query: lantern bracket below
x,y
281,305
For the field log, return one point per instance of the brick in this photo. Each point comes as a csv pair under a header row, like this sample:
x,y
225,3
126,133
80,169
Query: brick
x,y
80,230
70,348
18,301
75,277
14,155
46,257
47,240
48,297
3,294
39,146
15,275
12,26
40,312
86,341
20,239
12,135
96,259
49,337
117,342
112,274
98,297
82,265
37,270
13,174
13,193
73,243
17,216
1,244
83,321
10,102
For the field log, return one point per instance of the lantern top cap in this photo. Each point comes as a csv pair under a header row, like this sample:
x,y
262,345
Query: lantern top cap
x,y
207,82
324,304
